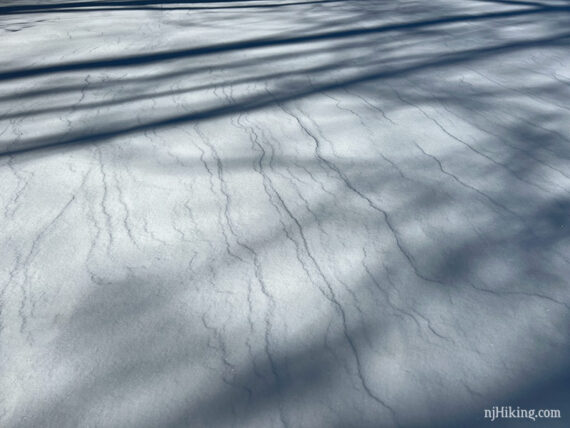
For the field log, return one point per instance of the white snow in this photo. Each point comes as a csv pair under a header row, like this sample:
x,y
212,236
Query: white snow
x,y
299,213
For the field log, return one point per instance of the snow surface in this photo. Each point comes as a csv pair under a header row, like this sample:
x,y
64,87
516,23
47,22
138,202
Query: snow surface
x,y
299,213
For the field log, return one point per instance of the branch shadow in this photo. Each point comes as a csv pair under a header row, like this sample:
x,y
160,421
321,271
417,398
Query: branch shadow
x,y
136,334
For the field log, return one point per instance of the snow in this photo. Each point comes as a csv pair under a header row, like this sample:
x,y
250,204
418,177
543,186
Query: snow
x,y
299,213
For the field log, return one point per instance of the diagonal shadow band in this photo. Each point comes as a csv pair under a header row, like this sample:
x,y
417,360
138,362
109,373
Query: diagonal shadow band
x,y
152,5
265,98
156,57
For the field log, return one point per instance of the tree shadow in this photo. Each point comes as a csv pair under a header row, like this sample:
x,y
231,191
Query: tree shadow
x,y
457,299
